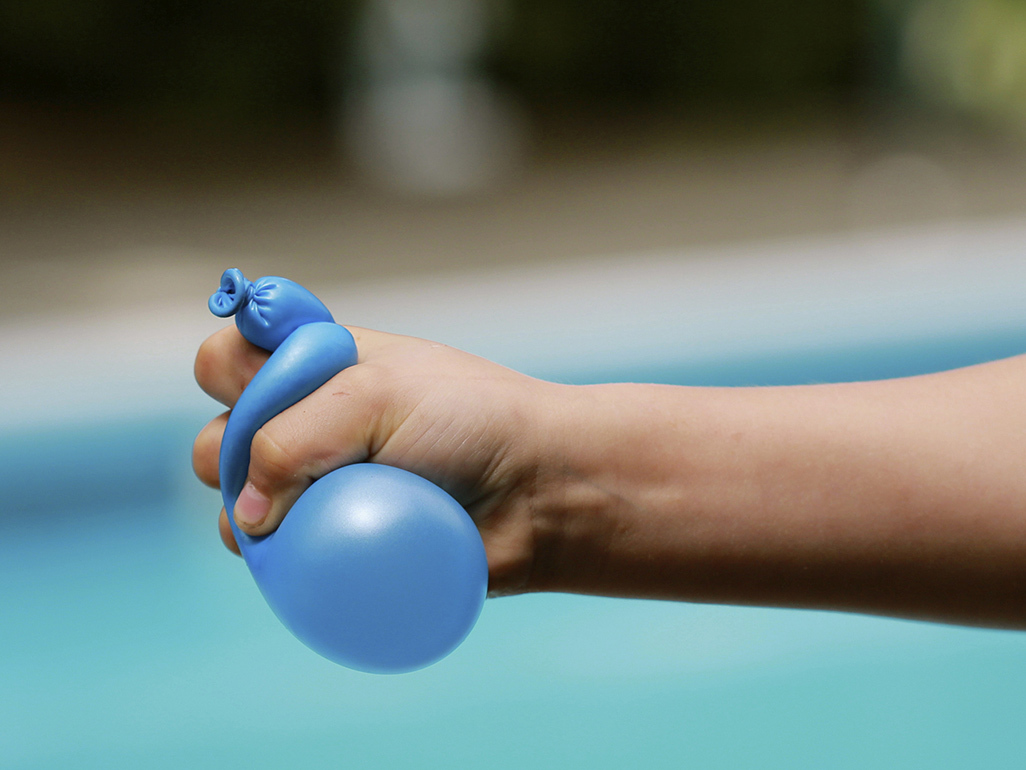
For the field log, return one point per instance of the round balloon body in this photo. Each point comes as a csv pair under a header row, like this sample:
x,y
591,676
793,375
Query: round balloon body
x,y
373,567
376,569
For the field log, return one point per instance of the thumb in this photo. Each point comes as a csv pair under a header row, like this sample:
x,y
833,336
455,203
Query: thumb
x,y
326,430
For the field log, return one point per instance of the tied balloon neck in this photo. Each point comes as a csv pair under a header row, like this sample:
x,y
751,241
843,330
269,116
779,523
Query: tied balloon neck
x,y
233,293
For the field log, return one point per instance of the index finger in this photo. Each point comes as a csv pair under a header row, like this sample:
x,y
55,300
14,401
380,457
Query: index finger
x,y
226,361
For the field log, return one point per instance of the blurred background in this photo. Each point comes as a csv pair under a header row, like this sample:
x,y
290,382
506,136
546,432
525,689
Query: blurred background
x,y
686,191
150,142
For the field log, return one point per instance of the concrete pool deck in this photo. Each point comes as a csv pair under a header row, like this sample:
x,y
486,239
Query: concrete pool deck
x,y
91,209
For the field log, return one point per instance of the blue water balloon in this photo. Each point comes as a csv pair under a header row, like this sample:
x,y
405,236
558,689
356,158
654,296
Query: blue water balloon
x,y
374,567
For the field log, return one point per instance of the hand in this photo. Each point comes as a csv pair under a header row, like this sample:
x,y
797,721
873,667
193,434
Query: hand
x,y
899,497
474,428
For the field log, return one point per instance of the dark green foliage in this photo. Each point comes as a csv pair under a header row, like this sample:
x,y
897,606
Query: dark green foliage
x,y
243,58
663,48
236,57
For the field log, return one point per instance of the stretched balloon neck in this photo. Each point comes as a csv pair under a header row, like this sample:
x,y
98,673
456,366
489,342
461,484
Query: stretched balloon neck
x,y
231,294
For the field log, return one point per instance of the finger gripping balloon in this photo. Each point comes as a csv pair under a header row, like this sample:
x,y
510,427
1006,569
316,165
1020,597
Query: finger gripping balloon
x,y
374,567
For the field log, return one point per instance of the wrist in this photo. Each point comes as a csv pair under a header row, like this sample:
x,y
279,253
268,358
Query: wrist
x,y
594,475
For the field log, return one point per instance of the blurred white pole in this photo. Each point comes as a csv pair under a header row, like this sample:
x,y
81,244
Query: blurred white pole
x,y
420,116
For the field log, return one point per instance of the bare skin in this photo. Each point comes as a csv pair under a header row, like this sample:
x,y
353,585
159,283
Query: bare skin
x,y
901,497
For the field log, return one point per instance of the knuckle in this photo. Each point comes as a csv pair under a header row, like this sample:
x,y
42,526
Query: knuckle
x,y
205,451
206,361
227,536
205,470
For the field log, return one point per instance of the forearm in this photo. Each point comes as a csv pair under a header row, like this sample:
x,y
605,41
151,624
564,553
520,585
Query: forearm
x,y
904,497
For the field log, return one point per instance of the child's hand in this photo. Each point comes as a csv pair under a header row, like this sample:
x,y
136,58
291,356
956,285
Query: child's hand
x,y
474,428
900,497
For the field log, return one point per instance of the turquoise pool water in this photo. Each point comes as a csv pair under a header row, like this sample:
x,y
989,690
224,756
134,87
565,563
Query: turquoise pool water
x,y
130,638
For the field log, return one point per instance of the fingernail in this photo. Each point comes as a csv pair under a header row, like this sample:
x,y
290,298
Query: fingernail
x,y
251,508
